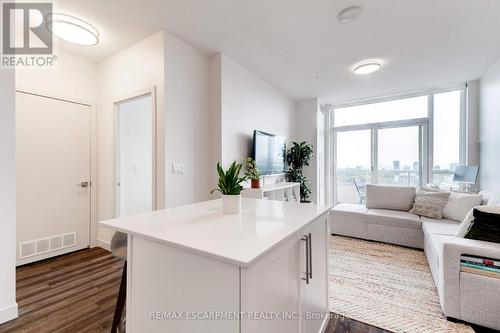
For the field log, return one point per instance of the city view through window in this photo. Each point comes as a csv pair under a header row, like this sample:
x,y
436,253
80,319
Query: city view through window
x,y
391,152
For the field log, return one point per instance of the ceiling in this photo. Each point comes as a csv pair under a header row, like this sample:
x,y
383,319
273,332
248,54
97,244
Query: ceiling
x,y
301,48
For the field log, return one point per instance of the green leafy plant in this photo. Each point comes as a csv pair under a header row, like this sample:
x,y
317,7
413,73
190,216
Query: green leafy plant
x,y
230,180
252,170
298,157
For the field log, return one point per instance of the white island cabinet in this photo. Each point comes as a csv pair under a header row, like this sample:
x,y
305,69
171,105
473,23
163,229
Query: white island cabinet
x,y
194,269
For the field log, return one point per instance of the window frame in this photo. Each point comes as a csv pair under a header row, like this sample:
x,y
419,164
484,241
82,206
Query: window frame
x,y
426,140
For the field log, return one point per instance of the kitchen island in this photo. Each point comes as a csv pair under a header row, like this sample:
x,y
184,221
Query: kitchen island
x,y
194,269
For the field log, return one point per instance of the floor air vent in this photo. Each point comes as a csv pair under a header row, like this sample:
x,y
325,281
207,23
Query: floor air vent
x,y
46,245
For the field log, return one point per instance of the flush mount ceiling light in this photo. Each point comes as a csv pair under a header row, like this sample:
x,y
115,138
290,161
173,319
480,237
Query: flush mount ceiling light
x,y
72,29
367,67
350,14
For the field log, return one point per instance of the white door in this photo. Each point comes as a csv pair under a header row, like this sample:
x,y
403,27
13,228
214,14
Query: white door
x,y
315,293
135,156
53,176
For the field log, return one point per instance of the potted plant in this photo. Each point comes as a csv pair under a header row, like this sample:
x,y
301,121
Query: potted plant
x,y
252,173
298,157
229,186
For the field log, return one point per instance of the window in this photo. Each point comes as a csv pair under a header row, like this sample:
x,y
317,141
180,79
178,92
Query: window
x,y
399,156
401,109
404,142
354,165
447,110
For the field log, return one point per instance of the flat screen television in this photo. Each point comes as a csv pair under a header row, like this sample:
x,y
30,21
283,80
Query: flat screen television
x,y
269,152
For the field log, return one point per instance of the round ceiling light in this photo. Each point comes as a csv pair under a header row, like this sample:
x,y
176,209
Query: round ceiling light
x,y
350,14
72,29
367,68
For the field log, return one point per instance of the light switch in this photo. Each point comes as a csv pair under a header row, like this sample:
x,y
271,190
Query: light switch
x,y
177,168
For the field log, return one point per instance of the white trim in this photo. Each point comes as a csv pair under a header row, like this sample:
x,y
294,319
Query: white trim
x,y
93,154
384,124
463,127
328,154
103,244
8,313
93,176
430,139
374,154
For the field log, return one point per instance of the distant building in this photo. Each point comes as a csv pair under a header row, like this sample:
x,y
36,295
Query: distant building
x,y
437,167
395,165
415,166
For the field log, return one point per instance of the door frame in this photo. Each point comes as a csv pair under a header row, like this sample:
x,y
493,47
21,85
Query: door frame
x,y
421,123
151,91
93,154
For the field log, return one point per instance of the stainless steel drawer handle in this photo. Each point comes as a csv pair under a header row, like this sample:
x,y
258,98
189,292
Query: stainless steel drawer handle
x,y
306,239
310,256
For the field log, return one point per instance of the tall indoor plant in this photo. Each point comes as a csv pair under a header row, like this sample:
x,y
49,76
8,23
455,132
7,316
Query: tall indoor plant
x,y
298,157
230,187
252,173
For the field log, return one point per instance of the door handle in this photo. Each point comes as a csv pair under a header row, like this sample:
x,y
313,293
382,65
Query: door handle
x,y
310,256
83,184
306,239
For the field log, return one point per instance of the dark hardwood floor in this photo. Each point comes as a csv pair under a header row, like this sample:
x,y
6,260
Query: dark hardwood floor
x,y
339,324
71,293
77,293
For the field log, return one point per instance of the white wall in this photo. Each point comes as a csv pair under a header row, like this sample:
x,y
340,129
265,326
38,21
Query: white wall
x,y
248,103
122,75
73,78
187,122
489,126
8,306
308,112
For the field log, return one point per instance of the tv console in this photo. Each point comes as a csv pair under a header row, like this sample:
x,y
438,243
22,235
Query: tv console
x,y
282,191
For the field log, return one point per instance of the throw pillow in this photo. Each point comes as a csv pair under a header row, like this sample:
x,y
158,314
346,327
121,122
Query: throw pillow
x,y
466,224
459,204
485,227
430,204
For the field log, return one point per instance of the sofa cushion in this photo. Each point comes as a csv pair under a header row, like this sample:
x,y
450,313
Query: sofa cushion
x,y
490,198
349,209
439,227
348,220
390,197
459,204
393,218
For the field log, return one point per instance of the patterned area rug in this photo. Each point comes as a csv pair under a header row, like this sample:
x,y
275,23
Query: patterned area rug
x,y
387,286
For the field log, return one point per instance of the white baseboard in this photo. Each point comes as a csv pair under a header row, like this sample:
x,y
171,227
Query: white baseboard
x,y
8,313
103,244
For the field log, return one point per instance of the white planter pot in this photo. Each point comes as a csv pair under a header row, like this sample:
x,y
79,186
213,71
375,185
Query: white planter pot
x,y
231,204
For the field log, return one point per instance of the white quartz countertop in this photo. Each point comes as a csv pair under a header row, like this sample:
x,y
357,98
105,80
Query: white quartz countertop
x,y
235,238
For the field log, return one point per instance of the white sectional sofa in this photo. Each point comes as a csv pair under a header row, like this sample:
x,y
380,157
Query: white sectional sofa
x,y
385,218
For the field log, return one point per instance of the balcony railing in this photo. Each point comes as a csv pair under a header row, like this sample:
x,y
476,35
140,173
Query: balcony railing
x,y
347,192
